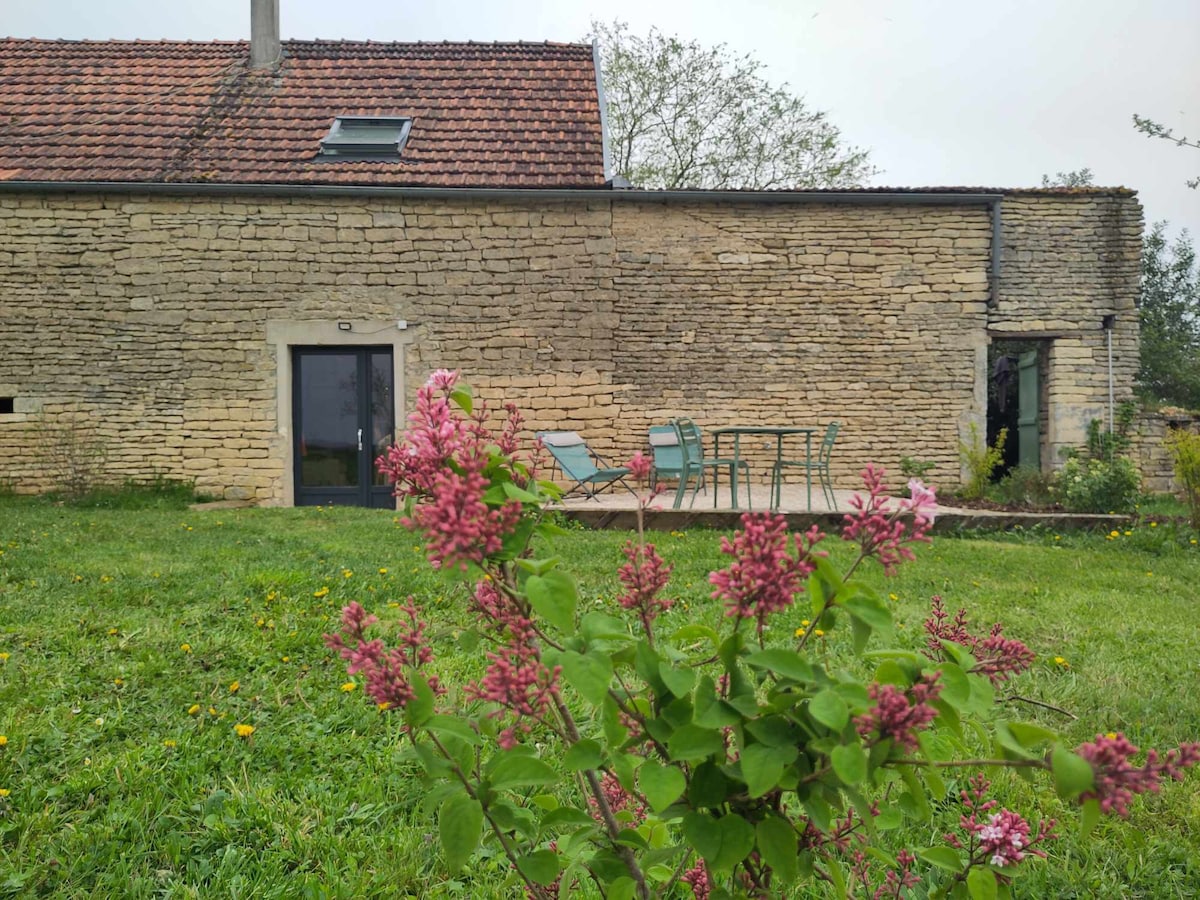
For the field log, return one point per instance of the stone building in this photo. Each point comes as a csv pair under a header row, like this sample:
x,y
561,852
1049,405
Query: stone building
x,y
235,262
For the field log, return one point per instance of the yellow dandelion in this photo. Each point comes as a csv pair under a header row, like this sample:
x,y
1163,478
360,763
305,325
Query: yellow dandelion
x,y
384,706
805,622
168,743
323,592
893,597
243,731
194,709
348,687
3,740
185,648
799,632
1059,661
118,681
234,686
1114,534
4,792
286,658
1112,735
113,631
383,571
212,710
1153,524
4,656
1058,537
346,573
99,720
1128,534
818,632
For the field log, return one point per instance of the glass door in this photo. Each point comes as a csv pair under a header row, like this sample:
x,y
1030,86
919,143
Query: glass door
x,y
342,420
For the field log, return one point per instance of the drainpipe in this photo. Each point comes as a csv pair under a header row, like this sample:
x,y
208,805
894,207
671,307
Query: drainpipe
x,y
997,246
265,48
1107,323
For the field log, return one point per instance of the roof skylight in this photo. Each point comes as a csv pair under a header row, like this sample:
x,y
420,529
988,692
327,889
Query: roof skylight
x,y
370,137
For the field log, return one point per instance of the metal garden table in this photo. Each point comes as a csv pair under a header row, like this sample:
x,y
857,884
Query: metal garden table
x,y
779,432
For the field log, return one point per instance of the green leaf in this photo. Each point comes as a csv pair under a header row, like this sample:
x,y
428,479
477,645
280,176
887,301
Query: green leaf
x,y
1072,773
461,397
710,710
943,857
781,661
554,596
537,566
419,709
956,689
540,866
586,754
849,763
1089,817
589,674
763,766
691,743
709,786
512,492
518,770
449,725
723,842
661,785
1029,735
459,825
829,709
679,681
689,634
981,884
624,888
870,610
776,840
598,626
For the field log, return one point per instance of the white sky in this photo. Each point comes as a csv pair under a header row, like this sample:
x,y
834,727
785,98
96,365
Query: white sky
x,y
943,92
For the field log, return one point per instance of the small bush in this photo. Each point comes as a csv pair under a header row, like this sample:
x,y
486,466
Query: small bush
x,y
981,461
1185,450
911,467
1024,486
1099,486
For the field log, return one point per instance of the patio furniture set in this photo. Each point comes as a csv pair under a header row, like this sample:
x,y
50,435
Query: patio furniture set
x,y
679,453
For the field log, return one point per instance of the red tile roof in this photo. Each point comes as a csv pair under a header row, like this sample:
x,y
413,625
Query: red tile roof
x,y
511,115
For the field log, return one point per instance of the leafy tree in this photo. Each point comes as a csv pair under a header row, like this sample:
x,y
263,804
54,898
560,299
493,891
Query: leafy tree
x,y
681,115
1170,317
1153,129
1076,178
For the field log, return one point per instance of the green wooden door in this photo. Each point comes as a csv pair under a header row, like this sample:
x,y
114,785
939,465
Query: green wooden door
x,y
1029,446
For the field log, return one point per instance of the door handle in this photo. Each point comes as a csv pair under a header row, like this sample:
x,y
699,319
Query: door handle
x,y
360,440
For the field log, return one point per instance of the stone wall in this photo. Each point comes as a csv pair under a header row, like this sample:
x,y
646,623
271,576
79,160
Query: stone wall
x,y
145,321
1151,428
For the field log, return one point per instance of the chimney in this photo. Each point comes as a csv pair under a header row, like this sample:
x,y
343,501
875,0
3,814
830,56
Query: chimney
x,y
264,33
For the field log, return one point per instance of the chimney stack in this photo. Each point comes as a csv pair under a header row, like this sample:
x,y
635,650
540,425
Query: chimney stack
x,y
264,33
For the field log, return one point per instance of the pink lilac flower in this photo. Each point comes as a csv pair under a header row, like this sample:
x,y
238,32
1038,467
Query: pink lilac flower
x,y
764,577
501,612
996,657
898,714
1002,838
387,671
1116,780
521,684
639,466
619,800
440,464
643,576
895,883
698,880
882,532
922,502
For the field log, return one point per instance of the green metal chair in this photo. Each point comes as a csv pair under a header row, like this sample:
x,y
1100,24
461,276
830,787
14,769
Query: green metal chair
x,y
695,465
668,455
820,466
589,472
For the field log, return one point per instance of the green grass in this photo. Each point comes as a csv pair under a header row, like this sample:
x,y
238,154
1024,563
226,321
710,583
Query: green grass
x,y
116,789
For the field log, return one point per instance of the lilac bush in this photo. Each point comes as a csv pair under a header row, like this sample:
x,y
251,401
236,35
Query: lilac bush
x,y
605,750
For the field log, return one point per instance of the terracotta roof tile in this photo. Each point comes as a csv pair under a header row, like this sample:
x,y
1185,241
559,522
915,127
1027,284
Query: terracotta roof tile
x,y
484,115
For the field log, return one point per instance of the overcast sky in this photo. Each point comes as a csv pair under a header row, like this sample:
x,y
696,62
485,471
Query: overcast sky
x,y
942,92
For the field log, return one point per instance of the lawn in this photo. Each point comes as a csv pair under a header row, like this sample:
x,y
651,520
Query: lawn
x,y
134,642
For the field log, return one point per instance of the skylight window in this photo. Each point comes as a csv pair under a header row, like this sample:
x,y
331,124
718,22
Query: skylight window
x,y
374,137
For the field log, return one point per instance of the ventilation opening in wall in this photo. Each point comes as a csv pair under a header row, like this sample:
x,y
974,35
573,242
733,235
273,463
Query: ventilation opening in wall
x,y
6,405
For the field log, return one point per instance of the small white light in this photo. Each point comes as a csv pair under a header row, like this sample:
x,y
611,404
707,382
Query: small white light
x,y
343,326
402,325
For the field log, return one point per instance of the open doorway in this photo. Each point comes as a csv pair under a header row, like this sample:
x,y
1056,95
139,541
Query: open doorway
x,y
1015,402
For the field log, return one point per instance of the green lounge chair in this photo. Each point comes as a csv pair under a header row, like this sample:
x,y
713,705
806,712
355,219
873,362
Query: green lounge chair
x,y
695,465
820,465
589,472
668,456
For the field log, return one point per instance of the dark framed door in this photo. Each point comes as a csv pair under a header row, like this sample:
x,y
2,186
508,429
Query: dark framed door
x,y
343,419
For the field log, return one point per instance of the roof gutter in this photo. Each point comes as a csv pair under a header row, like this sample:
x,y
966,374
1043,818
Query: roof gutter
x,y
770,198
